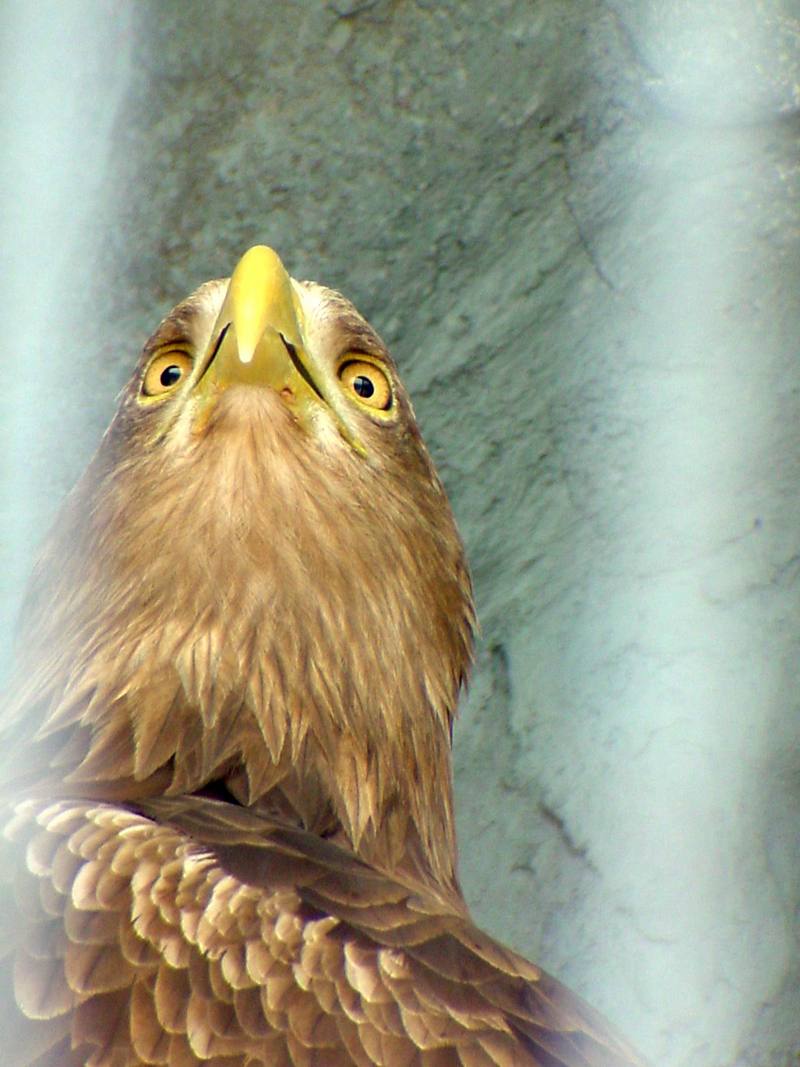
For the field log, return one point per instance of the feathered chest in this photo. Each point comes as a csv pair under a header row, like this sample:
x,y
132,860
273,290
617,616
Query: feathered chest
x,y
238,608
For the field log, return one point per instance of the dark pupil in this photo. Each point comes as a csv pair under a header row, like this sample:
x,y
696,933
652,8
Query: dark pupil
x,y
363,385
170,375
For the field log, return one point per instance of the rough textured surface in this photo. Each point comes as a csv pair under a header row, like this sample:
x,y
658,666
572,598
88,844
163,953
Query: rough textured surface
x,y
576,225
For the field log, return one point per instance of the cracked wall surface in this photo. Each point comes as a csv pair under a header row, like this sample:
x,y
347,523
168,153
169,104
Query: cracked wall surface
x,y
576,224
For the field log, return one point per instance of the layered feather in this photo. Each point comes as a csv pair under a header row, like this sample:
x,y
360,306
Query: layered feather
x,y
195,932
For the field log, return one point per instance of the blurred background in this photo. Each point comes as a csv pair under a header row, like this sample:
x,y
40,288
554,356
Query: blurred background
x,y
576,223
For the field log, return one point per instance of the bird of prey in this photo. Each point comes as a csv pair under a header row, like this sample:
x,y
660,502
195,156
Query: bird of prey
x,y
228,815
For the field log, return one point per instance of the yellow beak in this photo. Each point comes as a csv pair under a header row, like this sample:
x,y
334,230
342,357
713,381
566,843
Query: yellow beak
x,y
258,340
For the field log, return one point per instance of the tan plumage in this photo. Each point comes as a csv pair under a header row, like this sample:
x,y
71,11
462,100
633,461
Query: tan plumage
x,y
231,832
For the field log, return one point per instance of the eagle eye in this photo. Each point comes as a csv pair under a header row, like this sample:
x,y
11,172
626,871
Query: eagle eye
x,y
165,372
367,384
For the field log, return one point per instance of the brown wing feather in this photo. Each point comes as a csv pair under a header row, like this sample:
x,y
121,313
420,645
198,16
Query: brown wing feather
x,y
195,932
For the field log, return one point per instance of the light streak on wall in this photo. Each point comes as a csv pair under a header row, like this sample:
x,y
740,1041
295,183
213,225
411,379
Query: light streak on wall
x,y
63,73
685,633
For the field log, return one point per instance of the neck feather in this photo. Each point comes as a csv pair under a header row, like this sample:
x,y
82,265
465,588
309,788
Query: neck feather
x,y
281,627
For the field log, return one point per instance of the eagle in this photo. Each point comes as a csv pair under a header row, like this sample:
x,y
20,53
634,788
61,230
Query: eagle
x,y
227,811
